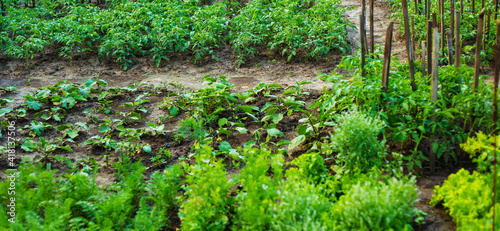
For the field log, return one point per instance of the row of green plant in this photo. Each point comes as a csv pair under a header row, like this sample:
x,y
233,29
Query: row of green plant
x,y
124,29
216,112
204,196
468,26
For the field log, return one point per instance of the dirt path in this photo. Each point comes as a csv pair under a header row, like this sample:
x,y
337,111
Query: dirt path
x,y
381,21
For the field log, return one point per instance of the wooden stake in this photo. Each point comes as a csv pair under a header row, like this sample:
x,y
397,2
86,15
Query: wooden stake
x,y
434,94
387,57
486,28
372,33
416,7
450,47
363,44
458,47
441,32
434,20
473,5
435,64
423,59
408,44
427,9
461,6
452,17
479,37
413,38
496,9
495,120
429,47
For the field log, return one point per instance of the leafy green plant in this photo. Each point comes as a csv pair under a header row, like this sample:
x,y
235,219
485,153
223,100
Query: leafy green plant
x,y
55,113
356,142
394,200
8,89
207,203
161,156
37,127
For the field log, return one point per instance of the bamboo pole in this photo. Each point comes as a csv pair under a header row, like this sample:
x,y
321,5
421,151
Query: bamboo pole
x,y
423,59
458,47
486,28
434,20
427,9
408,44
434,95
452,17
413,38
477,65
363,44
416,7
372,33
387,57
441,32
429,47
450,47
496,9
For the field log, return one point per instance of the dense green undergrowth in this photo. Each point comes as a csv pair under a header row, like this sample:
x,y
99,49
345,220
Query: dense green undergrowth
x,y
126,29
349,161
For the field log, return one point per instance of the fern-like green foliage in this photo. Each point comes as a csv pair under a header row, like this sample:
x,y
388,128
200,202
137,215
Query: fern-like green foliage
x,y
301,206
256,198
378,205
355,140
310,166
73,201
207,205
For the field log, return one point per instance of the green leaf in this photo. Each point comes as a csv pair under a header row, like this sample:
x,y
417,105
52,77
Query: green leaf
x,y
104,127
37,127
273,132
302,129
222,122
35,105
174,111
296,141
277,118
435,147
6,110
62,127
147,148
72,133
241,129
102,95
246,109
82,125
225,132
283,142
29,145
67,148
225,146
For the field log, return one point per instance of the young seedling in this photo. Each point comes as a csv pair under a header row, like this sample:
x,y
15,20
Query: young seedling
x,y
36,128
55,113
